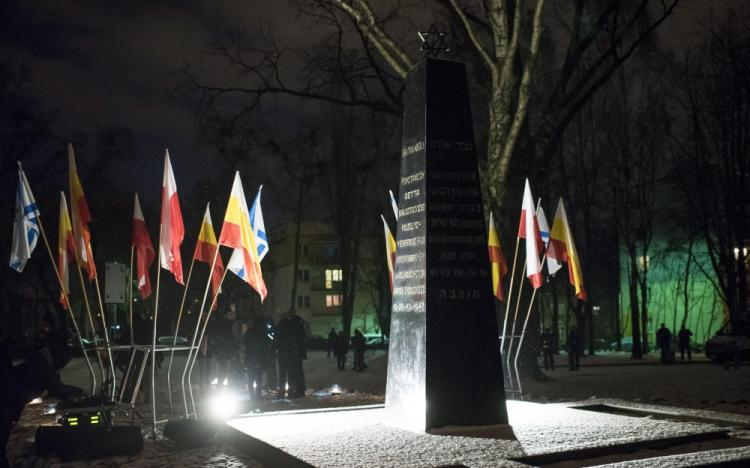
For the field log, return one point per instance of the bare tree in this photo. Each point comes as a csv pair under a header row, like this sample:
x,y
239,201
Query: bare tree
x,y
361,50
711,150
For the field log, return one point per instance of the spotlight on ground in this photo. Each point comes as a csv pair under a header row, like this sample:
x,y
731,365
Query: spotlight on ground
x,y
223,405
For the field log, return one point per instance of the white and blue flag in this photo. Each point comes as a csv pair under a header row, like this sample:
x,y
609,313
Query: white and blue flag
x,y
259,227
25,224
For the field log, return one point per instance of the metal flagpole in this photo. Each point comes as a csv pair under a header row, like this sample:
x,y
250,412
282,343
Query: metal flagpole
x,y
91,319
520,341
510,296
176,333
203,331
515,319
197,325
130,296
523,332
153,335
67,303
106,334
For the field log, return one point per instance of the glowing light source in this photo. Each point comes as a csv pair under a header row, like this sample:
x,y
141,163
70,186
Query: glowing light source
x,y
35,401
223,405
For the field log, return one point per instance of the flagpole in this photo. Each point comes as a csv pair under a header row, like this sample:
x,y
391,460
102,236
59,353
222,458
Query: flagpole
x,y
203,331
197,326
153,334
515,320
510,295
176,333
130,296
106,333
67,302
520,342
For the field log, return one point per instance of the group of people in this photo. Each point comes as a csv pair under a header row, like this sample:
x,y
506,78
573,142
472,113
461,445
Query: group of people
x,y
664,343
549,348
338,344
269,353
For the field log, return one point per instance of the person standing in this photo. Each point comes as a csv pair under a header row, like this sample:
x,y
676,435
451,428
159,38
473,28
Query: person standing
x,y
331,343
358,347
290,345
548,349
573,348
663,340
257,349
683,339
341,347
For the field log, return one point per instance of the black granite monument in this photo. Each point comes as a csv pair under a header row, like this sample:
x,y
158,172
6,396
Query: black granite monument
x,y
444,364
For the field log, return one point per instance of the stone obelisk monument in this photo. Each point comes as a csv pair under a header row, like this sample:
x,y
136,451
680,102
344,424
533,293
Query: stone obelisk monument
x,y
444,364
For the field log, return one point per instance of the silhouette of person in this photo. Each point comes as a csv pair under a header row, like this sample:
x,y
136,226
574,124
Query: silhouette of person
x,y
663,339
358,347
548,349
331,343
290,345
257,349
683,340
573,348
341,347
28,380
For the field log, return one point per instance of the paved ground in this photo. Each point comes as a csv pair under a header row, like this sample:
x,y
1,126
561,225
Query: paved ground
x,y
698,385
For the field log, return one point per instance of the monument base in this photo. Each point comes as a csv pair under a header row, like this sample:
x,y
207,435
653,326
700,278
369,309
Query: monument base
x,y
545,434
496,431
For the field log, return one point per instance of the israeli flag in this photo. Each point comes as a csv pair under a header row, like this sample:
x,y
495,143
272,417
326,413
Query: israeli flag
x,y
259,227
25,224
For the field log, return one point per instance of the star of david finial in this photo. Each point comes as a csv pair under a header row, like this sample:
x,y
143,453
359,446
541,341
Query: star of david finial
x,y
433,42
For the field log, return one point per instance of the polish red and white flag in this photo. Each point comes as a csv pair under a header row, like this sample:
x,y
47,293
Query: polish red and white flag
x,y
172,228
529,230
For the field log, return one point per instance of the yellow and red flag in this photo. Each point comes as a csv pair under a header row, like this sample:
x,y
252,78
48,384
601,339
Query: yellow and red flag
x,y
172,227
81,217
65,250
563,249
497,260
390,250
205,249
144,250
236,232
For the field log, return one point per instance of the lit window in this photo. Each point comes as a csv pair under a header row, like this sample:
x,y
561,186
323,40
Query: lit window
x,y
333,276
643,262
334,300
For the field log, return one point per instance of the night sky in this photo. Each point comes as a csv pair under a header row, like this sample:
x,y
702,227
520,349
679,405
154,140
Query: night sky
x,y
119,62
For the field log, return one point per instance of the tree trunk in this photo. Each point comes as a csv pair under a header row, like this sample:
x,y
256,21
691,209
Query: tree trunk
x,y
298,220
635,322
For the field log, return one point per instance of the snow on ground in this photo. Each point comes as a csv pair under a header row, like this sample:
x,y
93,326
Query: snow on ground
x,y
700,386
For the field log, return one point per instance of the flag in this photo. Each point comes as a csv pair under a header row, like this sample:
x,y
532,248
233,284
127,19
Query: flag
x,y
259,227
542,221
394,205
553,265
497,260
390,250
563,249
81,217
237,233
205,250
529,229
25,224
65,250
144,250
172,229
